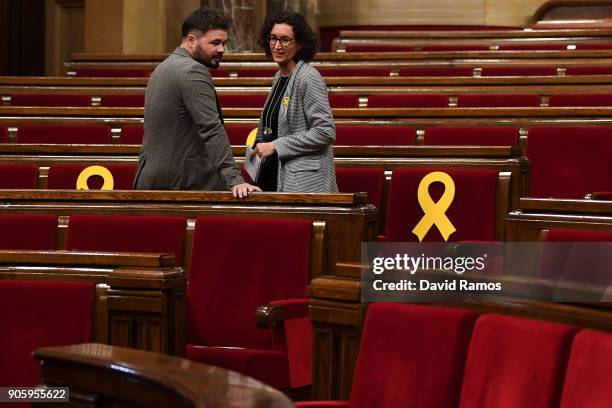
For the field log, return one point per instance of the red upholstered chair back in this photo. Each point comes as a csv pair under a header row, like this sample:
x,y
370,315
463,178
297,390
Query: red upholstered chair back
x,y
131,134
472,211
127,233
587,378
38,314
377,48
436,71
589,70
355,180
450,47
112,73
349,135
237,133
343,101
242,101
64,176
519,71
353,72
238,264
3,134
569,162
498,100
123,100
219,73
407,101
593,46
64,134
257,72
50,100
27,231
471,136
533,47
411,356
580,264
580,100
514,362
18,175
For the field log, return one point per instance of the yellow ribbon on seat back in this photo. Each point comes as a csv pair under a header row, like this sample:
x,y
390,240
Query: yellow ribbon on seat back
x,y
109,181
435,213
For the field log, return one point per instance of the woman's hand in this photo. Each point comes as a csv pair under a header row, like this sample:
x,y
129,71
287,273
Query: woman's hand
x,y
264,150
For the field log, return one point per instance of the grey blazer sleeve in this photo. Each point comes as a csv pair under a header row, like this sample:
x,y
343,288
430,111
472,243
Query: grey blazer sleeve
x,y
200,100
321,132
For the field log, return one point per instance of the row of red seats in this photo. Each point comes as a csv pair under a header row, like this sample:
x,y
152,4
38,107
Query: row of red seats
x,y
387,47
395,100
222,296
433,71
428,356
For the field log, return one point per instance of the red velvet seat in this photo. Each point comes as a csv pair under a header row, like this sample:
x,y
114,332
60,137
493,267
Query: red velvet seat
x,y
225,290
122,100
589,70
64,176
219,73
349,135
533,47
127,233
580,100
569,162
50,100
3,134
238,132
131,134
450,47
436,71
472,211
343,101
38,314
354,72
112,72
64,134
515,362
593,46
410,356
27,231
242,101
519,71
369,180
498,100
18,175
471,136
407,101
257,72
377,48
587,378
601,195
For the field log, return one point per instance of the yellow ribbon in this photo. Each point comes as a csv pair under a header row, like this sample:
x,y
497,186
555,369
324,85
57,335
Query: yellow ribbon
x,y
286,101
91,171
435,213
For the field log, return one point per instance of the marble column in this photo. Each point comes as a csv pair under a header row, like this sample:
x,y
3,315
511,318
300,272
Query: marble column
x,y
248,18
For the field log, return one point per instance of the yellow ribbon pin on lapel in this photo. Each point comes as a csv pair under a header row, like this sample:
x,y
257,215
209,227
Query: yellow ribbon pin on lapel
x,y
435,213
286,101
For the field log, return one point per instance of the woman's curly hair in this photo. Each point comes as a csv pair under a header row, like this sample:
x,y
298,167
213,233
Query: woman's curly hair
x,y
302,31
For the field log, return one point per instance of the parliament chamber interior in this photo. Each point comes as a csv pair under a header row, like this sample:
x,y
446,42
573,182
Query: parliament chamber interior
x,y
116,297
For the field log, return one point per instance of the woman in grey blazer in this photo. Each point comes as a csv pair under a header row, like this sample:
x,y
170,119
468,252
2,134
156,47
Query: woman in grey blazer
x,y
296,129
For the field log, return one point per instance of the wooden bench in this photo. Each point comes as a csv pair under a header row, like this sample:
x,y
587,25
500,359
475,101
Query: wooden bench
x,y
139,298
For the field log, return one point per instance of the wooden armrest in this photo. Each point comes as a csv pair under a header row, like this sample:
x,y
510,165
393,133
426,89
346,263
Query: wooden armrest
x,y
143,379
87,258
270,315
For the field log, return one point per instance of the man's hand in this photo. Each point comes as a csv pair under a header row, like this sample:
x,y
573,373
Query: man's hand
x,y
264,150
243,190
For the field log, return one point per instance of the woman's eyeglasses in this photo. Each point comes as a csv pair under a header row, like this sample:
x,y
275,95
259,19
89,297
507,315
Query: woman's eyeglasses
x,y
284,41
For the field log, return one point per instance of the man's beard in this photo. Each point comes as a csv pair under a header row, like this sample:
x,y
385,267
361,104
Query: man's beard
x,y
201,58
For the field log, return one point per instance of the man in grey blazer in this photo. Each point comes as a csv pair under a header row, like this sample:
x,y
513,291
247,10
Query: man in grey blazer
x,y
185,146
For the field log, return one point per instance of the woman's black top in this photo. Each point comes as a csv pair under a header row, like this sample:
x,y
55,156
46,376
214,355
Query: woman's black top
x,y
268,172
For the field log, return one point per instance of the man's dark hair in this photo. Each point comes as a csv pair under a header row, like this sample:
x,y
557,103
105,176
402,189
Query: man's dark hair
x,y
206,19
302,31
